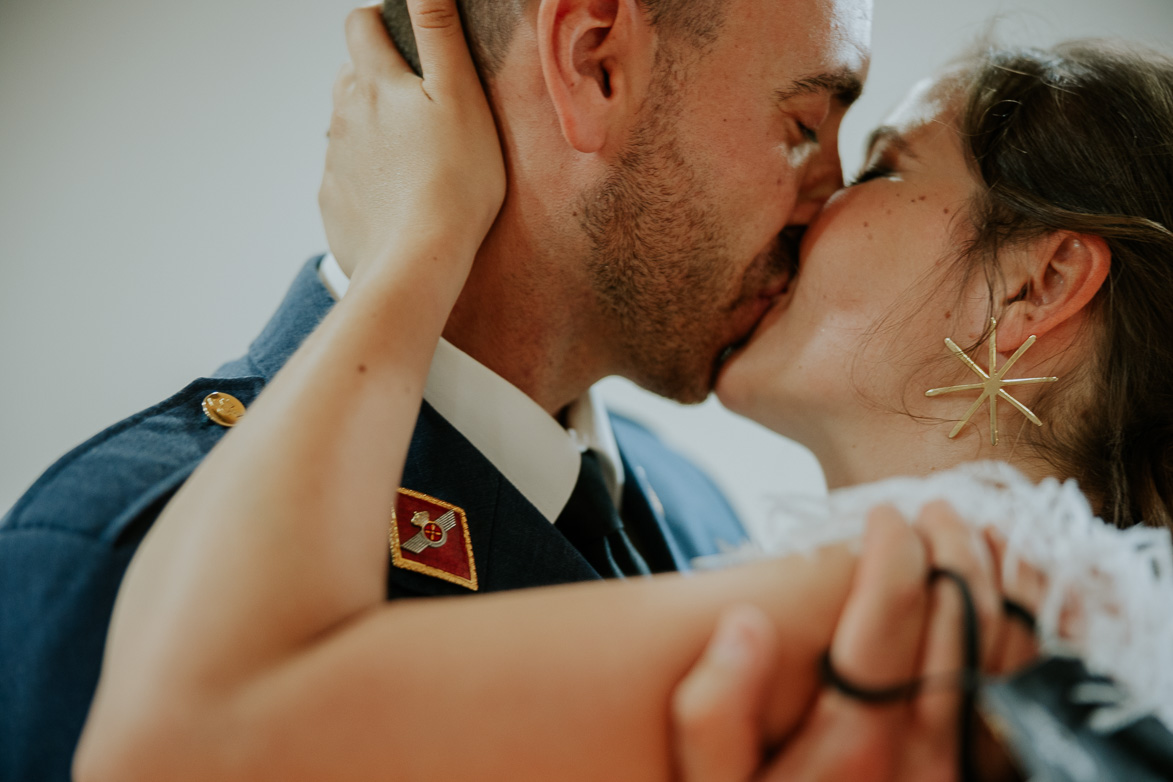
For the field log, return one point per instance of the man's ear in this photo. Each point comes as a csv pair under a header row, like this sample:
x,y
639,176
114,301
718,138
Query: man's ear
x,y
596,58
1060,275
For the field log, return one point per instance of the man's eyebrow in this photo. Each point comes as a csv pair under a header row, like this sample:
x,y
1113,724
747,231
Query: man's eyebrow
x,y
890,134
844,85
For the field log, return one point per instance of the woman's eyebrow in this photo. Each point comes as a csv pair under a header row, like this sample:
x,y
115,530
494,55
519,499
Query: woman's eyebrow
x,y
890,135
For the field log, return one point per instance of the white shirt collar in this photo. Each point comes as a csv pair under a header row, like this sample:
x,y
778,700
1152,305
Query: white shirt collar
x,y
530,448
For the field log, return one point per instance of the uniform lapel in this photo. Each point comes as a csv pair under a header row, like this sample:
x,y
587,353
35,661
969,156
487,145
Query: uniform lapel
x,y
643,516
513,545
303,307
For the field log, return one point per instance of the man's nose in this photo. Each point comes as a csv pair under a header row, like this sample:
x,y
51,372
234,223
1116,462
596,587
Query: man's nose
x,y
821,179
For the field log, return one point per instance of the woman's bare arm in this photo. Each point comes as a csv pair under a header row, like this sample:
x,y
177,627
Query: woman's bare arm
x,y
568,683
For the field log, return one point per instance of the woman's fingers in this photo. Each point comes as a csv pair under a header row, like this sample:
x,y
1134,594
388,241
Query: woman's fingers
x,y
956,547
1017,644
716,709
876,646
877,642
898,625
410,160
369,46
444,55
963,565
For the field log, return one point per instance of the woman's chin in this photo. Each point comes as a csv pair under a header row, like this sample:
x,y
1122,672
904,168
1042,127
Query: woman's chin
x,y
755,384
744,379
743,387
730,388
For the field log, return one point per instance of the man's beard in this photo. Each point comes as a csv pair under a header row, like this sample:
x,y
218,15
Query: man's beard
x,y
661,266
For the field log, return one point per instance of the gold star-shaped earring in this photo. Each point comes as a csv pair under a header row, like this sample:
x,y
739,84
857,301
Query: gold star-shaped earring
x,y
992,383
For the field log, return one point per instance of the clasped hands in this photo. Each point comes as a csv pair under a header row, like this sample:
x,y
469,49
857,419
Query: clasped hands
x,y
898,625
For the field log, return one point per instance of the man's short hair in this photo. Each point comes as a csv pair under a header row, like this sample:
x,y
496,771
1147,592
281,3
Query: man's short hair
x,y
489,25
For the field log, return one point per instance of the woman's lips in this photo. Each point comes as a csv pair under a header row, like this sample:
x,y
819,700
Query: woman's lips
x,y
779,306
776,293
773,299
782,289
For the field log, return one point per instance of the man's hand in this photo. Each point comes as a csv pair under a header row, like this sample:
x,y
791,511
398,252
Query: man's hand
x,y
409,157
716,710
895,628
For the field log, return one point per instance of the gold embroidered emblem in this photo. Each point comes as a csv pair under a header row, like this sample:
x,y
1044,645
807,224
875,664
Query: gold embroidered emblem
x,y
431,537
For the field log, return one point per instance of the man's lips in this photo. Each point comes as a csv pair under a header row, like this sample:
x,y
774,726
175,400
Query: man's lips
x,y
770,294
768,306
765,303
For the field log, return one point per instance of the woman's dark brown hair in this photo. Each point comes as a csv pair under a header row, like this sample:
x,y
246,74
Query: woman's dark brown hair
x,y
1080,138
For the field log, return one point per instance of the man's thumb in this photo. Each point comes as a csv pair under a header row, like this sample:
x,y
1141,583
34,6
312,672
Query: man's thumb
x,y
716,709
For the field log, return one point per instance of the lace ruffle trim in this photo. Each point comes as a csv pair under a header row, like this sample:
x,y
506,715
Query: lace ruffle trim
x,y
1109,598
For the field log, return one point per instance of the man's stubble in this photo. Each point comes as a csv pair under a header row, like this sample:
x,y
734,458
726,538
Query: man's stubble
x,y
660,262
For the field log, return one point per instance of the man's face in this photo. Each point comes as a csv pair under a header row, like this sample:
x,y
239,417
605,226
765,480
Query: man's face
x,y
685,229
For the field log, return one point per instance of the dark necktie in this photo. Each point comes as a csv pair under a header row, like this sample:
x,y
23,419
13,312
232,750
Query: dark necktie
x,y
591,523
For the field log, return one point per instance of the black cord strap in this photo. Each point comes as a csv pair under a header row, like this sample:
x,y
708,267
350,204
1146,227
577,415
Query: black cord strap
x,y
971,644
897,692
968,679
1016,610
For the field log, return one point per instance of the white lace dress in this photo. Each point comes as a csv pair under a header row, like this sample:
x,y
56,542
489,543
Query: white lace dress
x,y
1118,582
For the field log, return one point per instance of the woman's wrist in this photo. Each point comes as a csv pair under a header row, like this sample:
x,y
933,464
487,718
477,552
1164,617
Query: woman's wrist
x,y
433,266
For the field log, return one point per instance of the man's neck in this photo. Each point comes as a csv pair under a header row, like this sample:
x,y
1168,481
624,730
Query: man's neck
x,y
525,317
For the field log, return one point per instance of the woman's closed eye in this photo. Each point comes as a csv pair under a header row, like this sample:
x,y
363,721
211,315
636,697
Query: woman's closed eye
x,y
877,171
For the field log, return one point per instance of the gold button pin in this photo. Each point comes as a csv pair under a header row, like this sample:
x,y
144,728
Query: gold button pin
x,y
223,409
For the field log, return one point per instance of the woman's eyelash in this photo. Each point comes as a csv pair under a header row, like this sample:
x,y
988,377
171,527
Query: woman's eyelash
x,y
870,173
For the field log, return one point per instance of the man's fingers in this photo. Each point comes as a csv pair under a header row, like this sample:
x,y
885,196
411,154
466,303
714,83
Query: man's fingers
x,y
716,709
369,45
444,56
842,740
877,642
876,646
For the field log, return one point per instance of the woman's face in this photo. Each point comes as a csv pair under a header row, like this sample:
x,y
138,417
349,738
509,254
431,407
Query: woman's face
x,y
875,297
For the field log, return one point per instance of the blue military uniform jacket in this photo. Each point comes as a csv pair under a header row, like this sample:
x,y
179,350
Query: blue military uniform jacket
x,y
66,543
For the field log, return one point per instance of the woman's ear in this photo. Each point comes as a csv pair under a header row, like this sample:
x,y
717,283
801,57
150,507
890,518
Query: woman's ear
x,y
1060,275
596,58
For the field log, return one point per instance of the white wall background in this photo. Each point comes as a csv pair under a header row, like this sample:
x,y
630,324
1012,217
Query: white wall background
x,y
159,165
